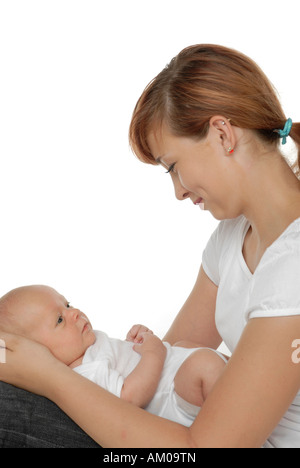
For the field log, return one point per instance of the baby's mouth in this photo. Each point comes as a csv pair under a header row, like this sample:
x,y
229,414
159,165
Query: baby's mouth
x,y
87,325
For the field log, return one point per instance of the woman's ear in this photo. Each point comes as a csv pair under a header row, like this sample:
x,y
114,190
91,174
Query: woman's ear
x,y
225,131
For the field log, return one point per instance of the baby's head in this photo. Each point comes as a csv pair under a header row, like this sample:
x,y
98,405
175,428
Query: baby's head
x,y
43,315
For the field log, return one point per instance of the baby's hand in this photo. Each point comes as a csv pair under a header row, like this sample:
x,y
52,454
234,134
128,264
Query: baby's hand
x,y
135,334
151,343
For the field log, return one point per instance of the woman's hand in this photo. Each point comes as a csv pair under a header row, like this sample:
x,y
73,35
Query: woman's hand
x,y
26,364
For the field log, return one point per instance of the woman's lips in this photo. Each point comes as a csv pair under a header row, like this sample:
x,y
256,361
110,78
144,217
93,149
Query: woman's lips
x,y
197,202
200,203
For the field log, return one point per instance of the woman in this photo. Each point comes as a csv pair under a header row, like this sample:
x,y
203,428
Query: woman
x,y
213,120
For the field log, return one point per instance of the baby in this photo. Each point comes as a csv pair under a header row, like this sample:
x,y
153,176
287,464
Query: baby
x,y
170,381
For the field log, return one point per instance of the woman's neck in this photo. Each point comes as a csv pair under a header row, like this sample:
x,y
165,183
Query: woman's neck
x,y
272,200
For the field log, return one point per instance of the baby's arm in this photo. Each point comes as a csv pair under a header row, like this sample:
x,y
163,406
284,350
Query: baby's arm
x,y
140,386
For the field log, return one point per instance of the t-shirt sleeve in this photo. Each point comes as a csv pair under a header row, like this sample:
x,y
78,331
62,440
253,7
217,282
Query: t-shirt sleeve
x,y
210,258
275,288
212,253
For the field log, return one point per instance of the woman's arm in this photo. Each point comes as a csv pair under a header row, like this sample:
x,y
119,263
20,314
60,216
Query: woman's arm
x,y
257,387
100,414
196,320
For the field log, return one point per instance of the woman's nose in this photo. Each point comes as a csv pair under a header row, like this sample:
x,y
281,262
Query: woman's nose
x,y
181,192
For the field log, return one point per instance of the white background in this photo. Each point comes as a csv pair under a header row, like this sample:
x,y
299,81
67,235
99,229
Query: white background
x,y
78,211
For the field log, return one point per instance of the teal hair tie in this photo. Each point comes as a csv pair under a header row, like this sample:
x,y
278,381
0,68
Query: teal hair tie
x,y
286,130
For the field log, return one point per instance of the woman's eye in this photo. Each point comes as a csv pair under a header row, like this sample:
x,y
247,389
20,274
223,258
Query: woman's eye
x,y
171,168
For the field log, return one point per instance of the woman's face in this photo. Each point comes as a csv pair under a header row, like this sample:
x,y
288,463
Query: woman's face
x,y
201,170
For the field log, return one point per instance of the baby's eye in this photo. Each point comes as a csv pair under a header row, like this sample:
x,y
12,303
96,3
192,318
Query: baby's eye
x,y
60,319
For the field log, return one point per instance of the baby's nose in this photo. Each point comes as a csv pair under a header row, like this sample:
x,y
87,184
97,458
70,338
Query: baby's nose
x,y
74,314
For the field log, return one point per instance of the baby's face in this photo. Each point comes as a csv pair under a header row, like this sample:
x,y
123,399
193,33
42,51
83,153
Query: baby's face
x,y
48,318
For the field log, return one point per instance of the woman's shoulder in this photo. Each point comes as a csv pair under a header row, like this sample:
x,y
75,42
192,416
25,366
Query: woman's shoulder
x,y
288,242
292,231
275,283
280,264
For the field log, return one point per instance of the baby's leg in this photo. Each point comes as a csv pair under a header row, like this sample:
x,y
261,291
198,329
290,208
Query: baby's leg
x,y
197,376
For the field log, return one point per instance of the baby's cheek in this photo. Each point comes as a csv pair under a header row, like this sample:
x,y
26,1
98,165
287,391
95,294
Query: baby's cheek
x,y
90,338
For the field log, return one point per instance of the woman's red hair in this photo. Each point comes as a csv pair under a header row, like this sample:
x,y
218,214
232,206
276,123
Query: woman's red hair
x,y
200,82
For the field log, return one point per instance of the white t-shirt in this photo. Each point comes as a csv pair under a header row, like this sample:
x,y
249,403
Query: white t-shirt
x,y
272,291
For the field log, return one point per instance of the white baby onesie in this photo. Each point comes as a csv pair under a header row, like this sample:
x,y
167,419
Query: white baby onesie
x,y
109,361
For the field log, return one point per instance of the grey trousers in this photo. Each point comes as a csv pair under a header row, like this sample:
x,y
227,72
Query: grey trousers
x,y
31,421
